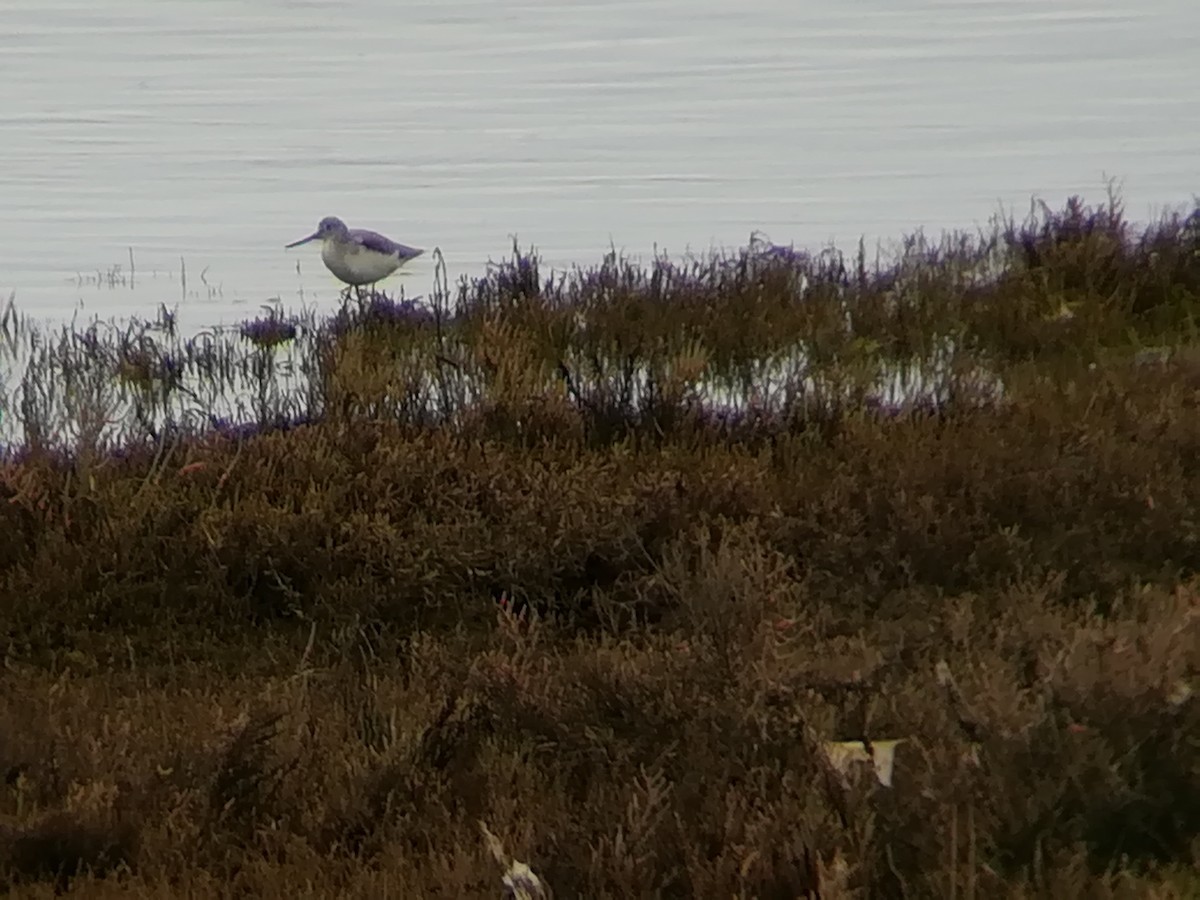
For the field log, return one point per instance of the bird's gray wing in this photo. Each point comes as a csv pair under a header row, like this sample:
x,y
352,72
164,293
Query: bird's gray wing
x,y
373,240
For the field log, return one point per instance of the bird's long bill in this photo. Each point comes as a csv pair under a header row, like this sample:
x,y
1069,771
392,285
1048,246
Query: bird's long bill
x,y
311,237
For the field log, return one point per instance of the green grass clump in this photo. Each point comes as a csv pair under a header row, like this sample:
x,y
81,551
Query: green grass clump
x,y
615,574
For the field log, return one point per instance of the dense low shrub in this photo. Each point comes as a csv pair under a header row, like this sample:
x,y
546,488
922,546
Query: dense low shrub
x,y
623,570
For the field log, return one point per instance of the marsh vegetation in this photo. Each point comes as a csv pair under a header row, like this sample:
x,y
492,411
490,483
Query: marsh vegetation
x,y
630,564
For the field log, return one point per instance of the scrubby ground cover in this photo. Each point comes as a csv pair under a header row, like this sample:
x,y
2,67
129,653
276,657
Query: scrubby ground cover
x,y
764,575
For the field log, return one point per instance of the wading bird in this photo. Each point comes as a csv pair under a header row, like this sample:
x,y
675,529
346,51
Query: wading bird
x,y
356,256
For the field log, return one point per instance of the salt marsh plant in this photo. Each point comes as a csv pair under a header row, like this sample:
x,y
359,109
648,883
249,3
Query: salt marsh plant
x,y
767,333
757,574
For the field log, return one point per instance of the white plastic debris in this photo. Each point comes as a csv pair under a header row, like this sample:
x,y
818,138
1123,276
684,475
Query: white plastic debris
x,y
881,755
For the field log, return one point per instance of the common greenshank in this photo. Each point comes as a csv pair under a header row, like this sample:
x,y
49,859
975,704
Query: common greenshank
x,y
356,256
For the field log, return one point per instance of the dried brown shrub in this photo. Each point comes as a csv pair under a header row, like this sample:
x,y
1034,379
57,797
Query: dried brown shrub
x,y
628,628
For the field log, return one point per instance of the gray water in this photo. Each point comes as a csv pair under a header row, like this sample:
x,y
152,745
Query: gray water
x,y
215,131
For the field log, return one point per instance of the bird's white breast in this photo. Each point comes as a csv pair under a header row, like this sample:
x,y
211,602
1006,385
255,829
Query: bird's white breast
x,y
355,264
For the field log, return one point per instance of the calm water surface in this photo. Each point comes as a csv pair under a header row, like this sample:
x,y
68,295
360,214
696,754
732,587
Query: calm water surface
x,y
216,132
